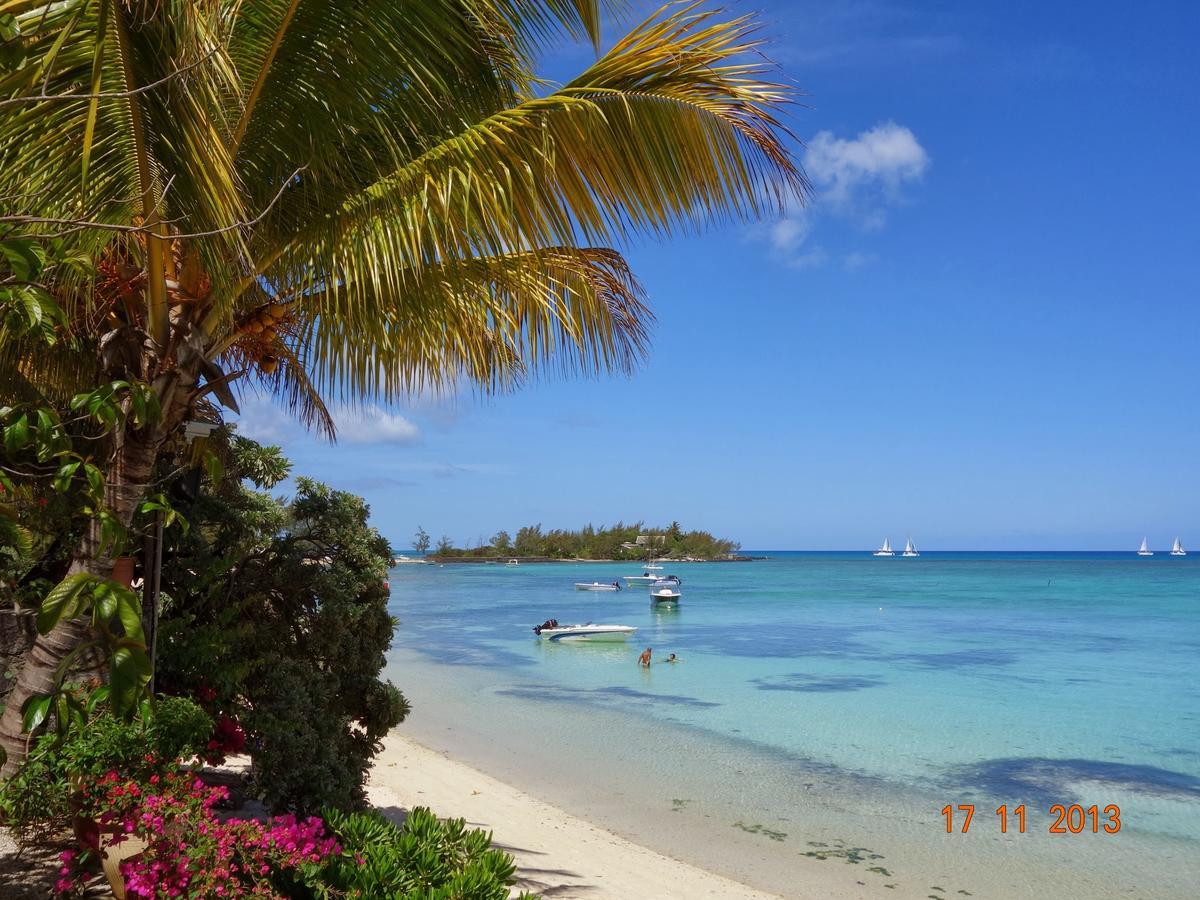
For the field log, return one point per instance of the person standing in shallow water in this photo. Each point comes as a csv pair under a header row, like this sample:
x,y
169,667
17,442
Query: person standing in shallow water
x,y
644,659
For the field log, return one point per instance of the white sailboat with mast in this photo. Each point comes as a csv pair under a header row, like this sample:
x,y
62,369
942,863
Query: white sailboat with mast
x,y
1144,550
910,549
886,549
1177,549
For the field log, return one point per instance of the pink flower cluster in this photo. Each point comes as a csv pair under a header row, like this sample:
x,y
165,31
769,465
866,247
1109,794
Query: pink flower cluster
x,y
190,853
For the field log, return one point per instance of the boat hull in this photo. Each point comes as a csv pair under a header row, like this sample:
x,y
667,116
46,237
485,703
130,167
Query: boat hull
x,y
597,587
589,633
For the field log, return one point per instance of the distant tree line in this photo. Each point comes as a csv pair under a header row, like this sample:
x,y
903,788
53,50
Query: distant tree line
x,y
617,541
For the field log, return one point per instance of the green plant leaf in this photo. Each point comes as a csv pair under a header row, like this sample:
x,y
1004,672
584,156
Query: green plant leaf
x,y
35,710
63,601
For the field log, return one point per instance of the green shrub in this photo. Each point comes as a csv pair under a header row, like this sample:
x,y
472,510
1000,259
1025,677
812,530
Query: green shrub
x,y
36,800
292,597
424,858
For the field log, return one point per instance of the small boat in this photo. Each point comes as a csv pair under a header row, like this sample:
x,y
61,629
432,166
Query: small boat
x,y
1144,550
407,561
511,563
1177,549
588,632
886,549
668,579
647,578
597,586
665,591
910,549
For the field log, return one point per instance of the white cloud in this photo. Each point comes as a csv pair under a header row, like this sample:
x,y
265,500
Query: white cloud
x,y
790,232
857,176
261,420
855,179
857,260
374,425
809,259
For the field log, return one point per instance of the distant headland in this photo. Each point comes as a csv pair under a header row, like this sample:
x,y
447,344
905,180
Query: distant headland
x,y
632,542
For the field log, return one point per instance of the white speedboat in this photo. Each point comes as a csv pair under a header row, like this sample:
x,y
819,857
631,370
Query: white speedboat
x,y
886,549
639,579
511,563
588,632
1177,549
407,561
597,586
666,590
1144,550
910,549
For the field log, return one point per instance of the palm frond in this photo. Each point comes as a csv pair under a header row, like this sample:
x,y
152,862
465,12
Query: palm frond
x,y
493,321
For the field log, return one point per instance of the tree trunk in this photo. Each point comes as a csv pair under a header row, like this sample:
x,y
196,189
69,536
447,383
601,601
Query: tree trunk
x,y
127,481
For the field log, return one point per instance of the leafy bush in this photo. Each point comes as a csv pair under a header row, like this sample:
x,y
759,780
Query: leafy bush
x,y
424,858
37,799
292,598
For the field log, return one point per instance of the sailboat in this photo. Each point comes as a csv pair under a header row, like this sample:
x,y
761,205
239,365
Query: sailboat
x,y
650,563
886,549
910,549
1177,549
1144,550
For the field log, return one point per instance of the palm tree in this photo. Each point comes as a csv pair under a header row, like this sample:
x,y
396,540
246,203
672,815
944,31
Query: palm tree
x,y
330,201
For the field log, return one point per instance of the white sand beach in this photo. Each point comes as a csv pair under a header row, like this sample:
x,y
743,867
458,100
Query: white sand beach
x,y
557,854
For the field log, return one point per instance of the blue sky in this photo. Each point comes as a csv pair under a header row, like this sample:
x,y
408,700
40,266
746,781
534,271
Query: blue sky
x,y
983,331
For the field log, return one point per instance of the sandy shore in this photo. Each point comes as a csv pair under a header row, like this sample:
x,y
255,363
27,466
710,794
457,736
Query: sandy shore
x,y
557,854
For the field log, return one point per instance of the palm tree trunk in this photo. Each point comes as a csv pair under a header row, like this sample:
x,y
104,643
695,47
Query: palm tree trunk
x,y
128,478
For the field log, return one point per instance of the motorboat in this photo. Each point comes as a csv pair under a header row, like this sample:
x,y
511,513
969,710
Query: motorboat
x,y
886,549
910,549
668,579
597,586
665,592
552,631
407,561
646,578
1144,550
512,563
1177,549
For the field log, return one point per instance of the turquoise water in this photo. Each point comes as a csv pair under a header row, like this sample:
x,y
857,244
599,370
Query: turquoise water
x,y
901,683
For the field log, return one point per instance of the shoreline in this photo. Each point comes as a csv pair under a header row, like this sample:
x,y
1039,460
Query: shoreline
x,y
541,560
557,854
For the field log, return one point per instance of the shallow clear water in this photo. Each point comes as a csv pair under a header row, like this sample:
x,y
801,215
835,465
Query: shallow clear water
x,y
863,685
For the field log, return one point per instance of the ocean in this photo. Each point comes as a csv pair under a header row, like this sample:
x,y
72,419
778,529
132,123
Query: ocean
x,y
829,706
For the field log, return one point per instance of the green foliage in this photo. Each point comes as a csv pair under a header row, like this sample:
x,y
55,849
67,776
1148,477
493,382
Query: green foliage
x,y
26,307
36,800
421,541
612,542
424,858
52,486
292,597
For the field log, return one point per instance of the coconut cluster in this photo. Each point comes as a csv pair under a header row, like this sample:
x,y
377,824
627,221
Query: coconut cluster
x,y
261,327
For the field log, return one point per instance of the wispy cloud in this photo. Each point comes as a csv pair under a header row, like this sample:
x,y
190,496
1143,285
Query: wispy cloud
x,y
868,33
374,425
856,180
